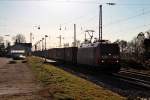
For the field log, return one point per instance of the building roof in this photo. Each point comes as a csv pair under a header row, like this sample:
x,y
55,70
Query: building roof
x,y
21,46
29,45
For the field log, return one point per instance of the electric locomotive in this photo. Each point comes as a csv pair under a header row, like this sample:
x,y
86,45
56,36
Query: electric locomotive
x,y
100,55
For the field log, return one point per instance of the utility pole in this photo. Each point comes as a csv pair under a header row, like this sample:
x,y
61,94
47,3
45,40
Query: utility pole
x,y
45,41
35,47
74,35
38,44
42,44
45,46
100,22
85,36
60,39
31,38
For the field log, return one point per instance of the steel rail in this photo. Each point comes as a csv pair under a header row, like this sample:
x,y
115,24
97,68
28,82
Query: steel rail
x,y
131,80
136,73
132,71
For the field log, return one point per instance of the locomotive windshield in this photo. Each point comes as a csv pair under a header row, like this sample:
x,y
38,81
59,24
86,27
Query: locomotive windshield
x,y
106,49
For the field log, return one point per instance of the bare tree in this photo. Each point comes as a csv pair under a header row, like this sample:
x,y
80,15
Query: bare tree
x,y
1,39
140,41
19,38
141,36
122,44
117,41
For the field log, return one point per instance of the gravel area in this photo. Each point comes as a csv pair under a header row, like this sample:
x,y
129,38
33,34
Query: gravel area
x,y
17,81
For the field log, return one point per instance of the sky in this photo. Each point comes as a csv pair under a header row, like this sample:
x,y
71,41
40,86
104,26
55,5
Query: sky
x,y
121,21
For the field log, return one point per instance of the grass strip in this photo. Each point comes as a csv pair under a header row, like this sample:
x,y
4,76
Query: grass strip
x,y
61,85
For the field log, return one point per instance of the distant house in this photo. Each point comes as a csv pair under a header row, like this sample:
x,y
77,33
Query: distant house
x,y
20,48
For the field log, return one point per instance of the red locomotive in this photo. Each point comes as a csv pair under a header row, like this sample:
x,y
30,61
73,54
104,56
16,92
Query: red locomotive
x,y
100,56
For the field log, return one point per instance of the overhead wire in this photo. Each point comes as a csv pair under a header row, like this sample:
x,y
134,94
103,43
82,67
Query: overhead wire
x,y
123,20
117,21
137,27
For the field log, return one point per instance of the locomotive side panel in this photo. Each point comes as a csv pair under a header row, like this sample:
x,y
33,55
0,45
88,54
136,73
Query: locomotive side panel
x,y
86,56
101,56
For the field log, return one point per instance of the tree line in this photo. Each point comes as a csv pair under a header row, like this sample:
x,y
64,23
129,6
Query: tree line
x,y
133,48
19,38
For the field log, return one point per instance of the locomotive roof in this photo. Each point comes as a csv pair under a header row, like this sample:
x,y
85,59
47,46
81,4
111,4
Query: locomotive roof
x,y
94,44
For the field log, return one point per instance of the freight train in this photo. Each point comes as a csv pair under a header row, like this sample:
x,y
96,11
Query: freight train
x,y
101,56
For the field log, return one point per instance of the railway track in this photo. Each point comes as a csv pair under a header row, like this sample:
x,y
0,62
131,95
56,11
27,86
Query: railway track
x,y
145,84
135,71
135,74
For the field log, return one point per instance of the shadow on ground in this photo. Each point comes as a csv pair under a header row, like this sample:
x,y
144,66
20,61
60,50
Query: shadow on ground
x,y
12,62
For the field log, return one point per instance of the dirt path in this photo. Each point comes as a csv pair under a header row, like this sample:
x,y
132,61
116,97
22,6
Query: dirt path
x,y
17,81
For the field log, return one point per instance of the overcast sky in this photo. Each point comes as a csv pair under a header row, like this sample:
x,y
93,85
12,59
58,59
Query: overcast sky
x,y
122,21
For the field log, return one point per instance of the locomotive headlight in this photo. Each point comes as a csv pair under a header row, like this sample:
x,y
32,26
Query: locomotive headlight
x,y
117,61
102,61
